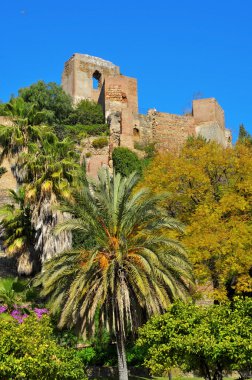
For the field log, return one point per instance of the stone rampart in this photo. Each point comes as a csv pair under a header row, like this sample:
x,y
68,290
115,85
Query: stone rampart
x,y
171,131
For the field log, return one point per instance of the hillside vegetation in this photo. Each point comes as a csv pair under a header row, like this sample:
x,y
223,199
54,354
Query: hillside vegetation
x,y
114,270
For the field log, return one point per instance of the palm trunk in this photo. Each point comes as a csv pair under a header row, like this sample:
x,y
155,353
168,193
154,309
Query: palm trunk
x,y
120,346
121,354
44,220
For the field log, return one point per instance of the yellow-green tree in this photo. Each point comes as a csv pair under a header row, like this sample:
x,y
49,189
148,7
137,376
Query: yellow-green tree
x,y
210,190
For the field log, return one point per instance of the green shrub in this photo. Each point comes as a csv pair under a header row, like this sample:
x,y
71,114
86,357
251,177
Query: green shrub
x,y
125,161
29,351
79,131
100,142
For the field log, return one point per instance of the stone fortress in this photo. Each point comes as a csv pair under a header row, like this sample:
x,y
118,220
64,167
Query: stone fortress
x,y
88,77
118,97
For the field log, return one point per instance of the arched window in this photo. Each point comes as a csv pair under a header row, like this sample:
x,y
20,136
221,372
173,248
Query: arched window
x,y
136,133
96,80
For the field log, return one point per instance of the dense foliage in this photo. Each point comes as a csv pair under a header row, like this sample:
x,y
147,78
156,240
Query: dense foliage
x,y
50,99
47,103
210,339
210,189
125,161
78,132
29,350
86,113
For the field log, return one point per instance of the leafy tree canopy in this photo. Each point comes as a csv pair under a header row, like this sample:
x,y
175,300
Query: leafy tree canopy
x,y
86,113
49,97
210,189
196,338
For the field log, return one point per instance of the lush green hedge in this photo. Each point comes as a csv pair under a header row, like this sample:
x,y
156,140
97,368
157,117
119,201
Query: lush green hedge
x,y
79,131
29,351
125,161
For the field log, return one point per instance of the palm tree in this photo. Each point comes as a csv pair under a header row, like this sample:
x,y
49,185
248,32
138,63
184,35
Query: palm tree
x,y
133,270
16,232
46,165
15,138
50,172
23,113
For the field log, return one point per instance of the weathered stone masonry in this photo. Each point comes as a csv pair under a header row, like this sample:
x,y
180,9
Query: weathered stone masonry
x,y
119,98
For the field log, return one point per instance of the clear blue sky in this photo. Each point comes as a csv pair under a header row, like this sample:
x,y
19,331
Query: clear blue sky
x,y
175,48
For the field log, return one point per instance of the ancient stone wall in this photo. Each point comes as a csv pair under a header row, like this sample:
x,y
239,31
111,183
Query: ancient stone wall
x,y
144,129
95,162
119,98
170,131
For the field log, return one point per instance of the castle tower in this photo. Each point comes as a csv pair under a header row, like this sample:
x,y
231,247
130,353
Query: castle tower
x,y
84,77
93,78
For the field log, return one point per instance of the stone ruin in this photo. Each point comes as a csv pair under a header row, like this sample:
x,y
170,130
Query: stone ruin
x,y
87,77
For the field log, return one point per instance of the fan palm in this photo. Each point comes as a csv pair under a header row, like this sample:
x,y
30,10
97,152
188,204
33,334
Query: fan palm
x,y
16,232
15,138
132,270
50,172
23,113
46,165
